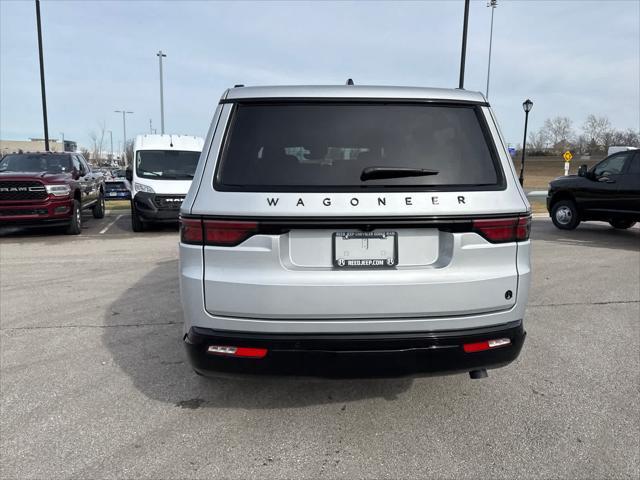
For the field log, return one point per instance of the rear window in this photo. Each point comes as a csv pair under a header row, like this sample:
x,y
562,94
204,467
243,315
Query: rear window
x,y
326,146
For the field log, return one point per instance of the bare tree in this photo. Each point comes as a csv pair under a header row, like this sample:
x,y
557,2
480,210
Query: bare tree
x,y
85,153
627,138
538,139
97,138
559,131
598,130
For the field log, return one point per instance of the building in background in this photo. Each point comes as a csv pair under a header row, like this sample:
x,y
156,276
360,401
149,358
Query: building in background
x,y
36,145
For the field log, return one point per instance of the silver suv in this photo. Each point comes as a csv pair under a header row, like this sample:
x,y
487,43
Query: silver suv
x,y
351,226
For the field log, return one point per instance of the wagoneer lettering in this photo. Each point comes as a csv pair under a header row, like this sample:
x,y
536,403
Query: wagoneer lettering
x,y
358,222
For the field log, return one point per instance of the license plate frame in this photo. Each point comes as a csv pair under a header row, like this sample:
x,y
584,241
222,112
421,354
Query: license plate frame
x,y
371,263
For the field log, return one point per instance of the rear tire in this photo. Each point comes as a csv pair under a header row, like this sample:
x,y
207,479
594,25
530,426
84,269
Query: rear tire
x,y
99,208
75,224
564,215
621,224
137,225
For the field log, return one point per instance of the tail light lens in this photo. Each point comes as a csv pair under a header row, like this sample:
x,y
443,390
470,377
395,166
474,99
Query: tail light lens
x,y
502,230
215,232
191,231
227,234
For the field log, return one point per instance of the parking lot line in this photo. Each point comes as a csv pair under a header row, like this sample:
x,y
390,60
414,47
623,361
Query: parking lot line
x,y
104,230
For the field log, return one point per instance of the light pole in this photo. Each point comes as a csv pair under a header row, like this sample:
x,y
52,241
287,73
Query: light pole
x,y
526,105
160,55
44,95
463,53
63,149
124,128
493,4
111,138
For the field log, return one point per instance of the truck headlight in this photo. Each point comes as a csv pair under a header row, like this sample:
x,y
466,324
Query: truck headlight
x,y
58,190
141,187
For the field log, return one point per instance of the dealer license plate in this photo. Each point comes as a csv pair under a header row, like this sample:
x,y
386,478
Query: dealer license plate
x,y
352,250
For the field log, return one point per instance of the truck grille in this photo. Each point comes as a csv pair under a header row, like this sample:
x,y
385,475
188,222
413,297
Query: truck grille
x,y
22,190
168,202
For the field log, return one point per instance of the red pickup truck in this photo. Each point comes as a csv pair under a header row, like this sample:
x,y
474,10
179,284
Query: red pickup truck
x,y
38,189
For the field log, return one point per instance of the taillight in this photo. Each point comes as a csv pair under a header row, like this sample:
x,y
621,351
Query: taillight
x,y
501,230
227,233
191,231
215,232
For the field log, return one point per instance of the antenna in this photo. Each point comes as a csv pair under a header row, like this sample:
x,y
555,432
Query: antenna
x,y
350,81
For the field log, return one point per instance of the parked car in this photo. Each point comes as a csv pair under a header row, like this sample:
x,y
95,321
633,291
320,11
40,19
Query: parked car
x,y
117,189
609,192
39,189
163,167
352,223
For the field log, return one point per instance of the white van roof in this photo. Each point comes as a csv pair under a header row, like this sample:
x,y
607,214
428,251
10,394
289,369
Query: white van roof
x,y
169,141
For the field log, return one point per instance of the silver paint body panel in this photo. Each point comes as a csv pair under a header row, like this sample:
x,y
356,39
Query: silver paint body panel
x,y
286,283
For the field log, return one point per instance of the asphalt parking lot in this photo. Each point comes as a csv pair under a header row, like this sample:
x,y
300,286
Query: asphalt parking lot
x,y
95,382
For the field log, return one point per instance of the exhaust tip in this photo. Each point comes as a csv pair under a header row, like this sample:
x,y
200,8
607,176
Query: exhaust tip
x,y
478,374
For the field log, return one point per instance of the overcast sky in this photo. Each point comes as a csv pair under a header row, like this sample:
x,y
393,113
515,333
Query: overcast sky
x,y
570,57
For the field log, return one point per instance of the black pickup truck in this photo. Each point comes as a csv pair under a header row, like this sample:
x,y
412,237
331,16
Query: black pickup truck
x,y
39,189
609,192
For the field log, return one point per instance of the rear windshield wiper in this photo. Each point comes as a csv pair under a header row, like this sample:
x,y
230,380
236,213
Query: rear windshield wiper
x,y
378,173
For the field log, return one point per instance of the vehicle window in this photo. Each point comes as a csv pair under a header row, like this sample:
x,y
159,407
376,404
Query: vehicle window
x,y
36,162
324,146
166,164
614,165
76,163
84,165
634,167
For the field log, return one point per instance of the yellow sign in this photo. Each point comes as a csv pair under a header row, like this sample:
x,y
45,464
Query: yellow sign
x,y
567,156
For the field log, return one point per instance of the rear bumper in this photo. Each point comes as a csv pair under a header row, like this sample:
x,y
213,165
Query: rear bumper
x,y
356,355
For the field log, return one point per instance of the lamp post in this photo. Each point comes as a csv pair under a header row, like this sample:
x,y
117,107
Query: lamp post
x,y
463,53
526,106
63,149
493,4
42,89
124,128
111,138
160,55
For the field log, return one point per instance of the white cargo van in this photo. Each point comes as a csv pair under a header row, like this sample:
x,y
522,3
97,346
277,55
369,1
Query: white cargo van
x,y
160,175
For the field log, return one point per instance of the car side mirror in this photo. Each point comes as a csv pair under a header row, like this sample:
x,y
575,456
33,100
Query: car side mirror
x,y
128,173
582,171
75,174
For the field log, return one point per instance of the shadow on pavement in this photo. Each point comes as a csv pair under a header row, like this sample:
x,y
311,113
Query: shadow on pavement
x,y
143,332
593,234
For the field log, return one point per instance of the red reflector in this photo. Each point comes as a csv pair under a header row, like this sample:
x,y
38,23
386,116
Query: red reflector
x,y
246,352
502,230
191,231
476,347
227,233
486,345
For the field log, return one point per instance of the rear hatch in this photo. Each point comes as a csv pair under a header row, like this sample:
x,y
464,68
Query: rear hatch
x,y
330,210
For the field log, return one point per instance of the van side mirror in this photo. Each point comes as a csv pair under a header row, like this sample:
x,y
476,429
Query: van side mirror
x,y
128,173
582,171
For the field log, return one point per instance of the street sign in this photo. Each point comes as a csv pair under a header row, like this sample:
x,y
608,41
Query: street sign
x,y
567,156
